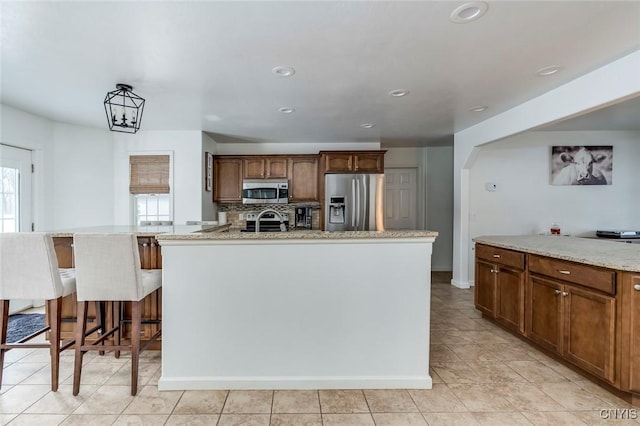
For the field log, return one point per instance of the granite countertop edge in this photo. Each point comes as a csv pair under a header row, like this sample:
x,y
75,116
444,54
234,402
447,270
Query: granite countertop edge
x,y
595,252
145,231
299,235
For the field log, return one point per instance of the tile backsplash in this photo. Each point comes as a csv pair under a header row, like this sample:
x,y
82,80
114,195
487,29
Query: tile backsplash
x,y
234,211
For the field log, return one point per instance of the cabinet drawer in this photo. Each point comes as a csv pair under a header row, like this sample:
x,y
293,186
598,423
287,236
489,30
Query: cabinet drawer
x,y
499,255
587,276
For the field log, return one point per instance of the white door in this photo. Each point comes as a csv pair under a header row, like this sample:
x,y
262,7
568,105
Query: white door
x,y
15,199
400,208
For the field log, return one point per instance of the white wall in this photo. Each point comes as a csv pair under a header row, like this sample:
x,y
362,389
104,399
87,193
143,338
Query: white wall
x,y
83,176
439,189
609,84
28,131
290,148
526,202
186,147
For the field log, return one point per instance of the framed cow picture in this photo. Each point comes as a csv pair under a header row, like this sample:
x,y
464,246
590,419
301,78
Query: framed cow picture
x,y
581,165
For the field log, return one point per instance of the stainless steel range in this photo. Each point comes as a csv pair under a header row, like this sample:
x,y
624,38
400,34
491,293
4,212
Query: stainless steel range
x,y
269,222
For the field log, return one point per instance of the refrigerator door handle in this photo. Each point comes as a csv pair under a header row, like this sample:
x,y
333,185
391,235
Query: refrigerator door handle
x,y
353,199
358,207
365,203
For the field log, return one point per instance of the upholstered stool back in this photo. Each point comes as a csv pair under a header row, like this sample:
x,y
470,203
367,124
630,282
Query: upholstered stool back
x,y
29,268
108,267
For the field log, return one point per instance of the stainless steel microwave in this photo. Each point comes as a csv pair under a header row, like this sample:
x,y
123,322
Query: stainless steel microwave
x,y
265,191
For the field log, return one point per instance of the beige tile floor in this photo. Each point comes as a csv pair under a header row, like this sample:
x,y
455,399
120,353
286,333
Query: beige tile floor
x,y
482,376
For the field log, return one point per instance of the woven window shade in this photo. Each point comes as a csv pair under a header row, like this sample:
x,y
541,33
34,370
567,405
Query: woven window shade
x,y
149,174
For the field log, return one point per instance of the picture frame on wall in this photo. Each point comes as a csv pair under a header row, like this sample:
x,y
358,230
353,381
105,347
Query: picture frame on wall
x,y
582,165
208,159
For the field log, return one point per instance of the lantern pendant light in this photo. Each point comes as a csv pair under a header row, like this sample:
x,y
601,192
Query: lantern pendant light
x,y
124,109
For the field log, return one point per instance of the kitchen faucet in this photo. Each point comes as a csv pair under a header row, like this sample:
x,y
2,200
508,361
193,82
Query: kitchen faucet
x,y
283,227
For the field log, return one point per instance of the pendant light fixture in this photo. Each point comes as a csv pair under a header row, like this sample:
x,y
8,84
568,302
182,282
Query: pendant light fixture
x,y
124,109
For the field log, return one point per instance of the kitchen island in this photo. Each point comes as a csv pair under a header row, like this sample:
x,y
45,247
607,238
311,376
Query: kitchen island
x,y
577,299
296,310
150,258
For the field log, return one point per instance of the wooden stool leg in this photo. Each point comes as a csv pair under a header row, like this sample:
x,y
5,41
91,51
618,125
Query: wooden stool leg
x,y
100,320
136,319
55,321
117,324
81,329
4,322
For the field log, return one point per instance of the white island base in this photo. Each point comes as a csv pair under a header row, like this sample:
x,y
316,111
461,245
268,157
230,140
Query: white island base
x,y
296,313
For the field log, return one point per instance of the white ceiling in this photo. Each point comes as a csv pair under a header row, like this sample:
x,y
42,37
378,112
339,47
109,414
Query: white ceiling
x,y
192,60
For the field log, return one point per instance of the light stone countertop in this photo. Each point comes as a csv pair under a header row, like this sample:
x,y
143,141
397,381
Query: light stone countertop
x,y
143,231
298,235
606,253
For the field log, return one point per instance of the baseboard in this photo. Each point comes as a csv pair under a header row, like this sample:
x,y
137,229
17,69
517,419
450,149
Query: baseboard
x,y
295,383
460,284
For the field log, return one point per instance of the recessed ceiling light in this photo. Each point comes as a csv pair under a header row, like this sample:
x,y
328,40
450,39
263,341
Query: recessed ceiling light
x,y
367,125
478,108
283,71
398,93
469,12
550,70
286,110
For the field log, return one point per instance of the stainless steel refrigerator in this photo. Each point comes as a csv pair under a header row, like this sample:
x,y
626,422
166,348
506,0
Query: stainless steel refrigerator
x,y
353,202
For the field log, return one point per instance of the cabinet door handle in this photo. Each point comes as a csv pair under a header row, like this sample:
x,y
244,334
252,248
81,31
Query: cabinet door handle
x,y
562,271
495,271
557,292
565,294
636,287
497,256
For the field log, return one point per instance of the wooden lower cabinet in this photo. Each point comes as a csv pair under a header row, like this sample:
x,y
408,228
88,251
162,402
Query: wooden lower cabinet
x,y
585,315
574,322
510,298
544,313
629,324
150,258
499,286
589,330
485,288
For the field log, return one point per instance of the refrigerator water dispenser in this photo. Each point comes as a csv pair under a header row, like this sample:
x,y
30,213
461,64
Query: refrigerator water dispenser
x,y
336,210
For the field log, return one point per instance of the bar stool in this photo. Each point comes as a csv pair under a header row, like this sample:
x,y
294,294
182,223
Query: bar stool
x,y
108,269
29,270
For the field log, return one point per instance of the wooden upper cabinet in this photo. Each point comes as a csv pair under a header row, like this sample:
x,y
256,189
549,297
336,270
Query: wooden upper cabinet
x,y
337,162
303,178
353,161
369,162
227,179
254,168
265,167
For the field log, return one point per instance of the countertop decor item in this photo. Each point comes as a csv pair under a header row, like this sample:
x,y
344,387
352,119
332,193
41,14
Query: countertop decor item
x,y
124,109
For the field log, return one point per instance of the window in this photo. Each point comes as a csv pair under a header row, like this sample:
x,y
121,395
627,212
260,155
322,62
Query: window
x,y
152,207
9,199
149,184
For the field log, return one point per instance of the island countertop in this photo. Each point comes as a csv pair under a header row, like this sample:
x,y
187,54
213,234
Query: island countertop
x,y
298,235
597,252
143,231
